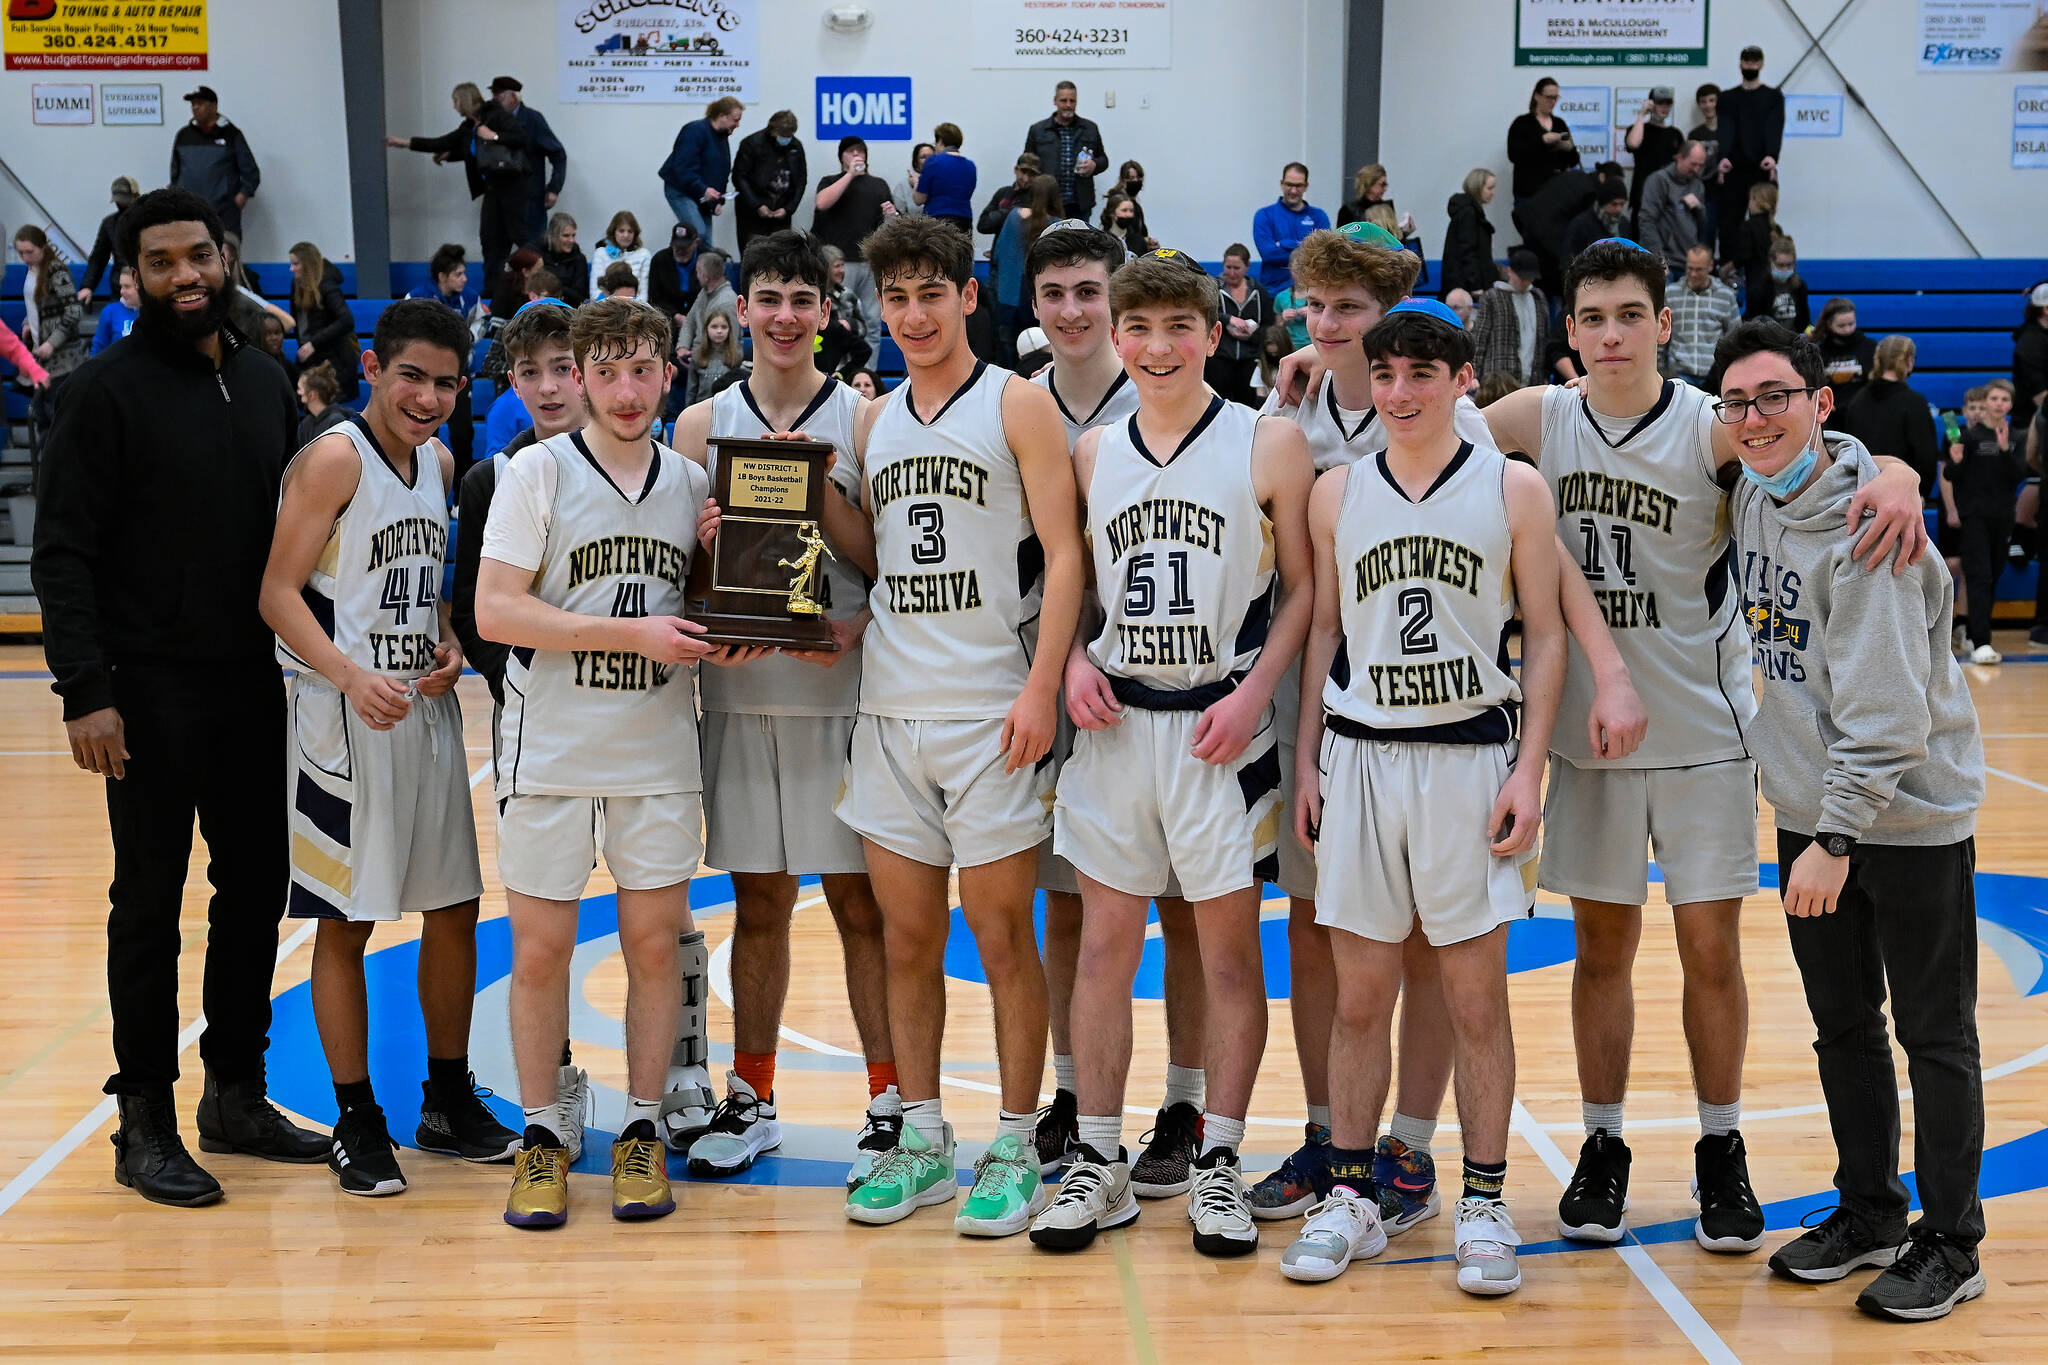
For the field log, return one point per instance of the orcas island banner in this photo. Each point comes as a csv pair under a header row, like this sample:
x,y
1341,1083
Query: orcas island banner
x,y
657,51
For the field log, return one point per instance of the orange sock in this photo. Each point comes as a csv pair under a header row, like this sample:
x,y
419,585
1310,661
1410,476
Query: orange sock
x,y
757,1069
881,1076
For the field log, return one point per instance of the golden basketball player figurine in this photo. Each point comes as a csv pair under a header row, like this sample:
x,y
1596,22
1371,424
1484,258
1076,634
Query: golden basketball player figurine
x,y
806,566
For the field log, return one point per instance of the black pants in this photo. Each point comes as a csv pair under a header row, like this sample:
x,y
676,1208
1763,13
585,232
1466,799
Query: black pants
x,y
1233,378
208,742
1907,916
462,432
1983,542
502,221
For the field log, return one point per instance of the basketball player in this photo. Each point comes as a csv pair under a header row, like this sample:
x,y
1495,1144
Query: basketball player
x,y
1066,273
380,814
1192,505
1420,557
583,563
971,491
1639,470
775,731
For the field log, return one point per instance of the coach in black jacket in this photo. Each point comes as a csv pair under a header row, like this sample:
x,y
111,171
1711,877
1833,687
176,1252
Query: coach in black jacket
x,y
1063,143
158,499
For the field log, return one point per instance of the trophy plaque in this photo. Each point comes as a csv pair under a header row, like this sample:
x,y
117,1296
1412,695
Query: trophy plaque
x,y
760,581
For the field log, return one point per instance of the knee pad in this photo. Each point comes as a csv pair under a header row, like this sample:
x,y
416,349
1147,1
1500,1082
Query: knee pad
x,y
691,1047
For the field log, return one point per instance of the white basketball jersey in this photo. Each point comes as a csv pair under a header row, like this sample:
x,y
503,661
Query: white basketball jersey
x,y
1119,403
604,722
1339,436
779,685
1425,596
376,587
1639,507
1183,553
961,569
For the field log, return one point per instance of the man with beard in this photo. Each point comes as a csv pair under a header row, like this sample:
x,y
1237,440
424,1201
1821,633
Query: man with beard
x,y
170,692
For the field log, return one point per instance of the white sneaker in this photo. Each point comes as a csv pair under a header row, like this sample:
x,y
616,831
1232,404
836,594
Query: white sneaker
x,y
572,1108
1985,654
1220,1207
1486,1247
686,1108
878,1134
1340,1229
1095,1196
742,1128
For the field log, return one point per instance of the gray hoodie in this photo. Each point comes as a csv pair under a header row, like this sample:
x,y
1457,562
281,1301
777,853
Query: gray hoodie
x,y
1865,727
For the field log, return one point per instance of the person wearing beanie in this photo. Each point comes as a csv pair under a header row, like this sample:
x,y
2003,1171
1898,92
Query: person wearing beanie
x,y
125,192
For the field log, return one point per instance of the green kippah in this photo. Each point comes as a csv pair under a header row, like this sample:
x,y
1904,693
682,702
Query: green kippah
x,y
1370,234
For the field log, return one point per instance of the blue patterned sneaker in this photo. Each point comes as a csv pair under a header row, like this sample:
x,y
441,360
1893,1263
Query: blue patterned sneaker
x,y
1406,1181
1301,1180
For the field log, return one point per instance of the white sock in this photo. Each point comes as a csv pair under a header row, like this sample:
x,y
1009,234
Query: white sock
x,y
1416,1134
1319,1115
1104,1133
1185,1085
1218,1131
545,1118
924,1115
1023,1127
1719,1120
1063,1071
637,1109
1599,1116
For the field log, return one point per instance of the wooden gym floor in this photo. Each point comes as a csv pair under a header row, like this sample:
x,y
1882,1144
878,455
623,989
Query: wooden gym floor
x,y
770,1269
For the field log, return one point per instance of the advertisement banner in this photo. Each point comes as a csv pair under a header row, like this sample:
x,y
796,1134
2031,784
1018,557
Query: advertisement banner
x,y
1983,35
656,51
1585,108
1610,32
1072,34
1813,115
99,35
131,105
61,104
2030,128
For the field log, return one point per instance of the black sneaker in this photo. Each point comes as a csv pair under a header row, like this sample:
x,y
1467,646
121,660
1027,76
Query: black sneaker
x,y
2038,636
363,1159
1058,1132
1729,1220
1597,1197
462,1125
1931,1276
1829,1250
1166,1166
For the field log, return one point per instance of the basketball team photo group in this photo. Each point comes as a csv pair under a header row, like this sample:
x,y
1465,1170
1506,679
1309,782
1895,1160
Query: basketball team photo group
x,y
933,763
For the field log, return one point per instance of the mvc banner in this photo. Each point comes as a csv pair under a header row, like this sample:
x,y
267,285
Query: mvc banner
x,y
656,51
100,35
1983,35
1610,32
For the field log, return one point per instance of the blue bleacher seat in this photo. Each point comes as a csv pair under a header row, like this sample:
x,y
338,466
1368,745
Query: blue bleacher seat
x,y
1878,314
1945,389
1849,276
1962,350
367,311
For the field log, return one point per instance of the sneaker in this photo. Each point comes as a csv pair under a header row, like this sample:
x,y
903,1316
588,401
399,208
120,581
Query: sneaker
x,y
363,1158
686,1107
1008,1191
879,1132
907,1177
572,1108
1931,1276
540,1183
1165,1167
1220,1207
640,1186
1058,1132
1405,1181
1486,1247
462,1125
2038,636
742,1128
1301,1180
1729,1220
1095,1196
1597,1196
1985,654
1343,1228
1842,1242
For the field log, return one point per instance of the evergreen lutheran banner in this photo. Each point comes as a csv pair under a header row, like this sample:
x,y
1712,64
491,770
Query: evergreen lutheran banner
x,y
656,51
1610,32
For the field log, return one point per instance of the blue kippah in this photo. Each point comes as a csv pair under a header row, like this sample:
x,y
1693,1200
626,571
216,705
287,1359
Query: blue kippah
x,y
535,303
1622,241
1428,308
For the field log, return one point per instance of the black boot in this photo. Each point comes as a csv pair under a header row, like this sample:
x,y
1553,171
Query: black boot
x,y
236,1116
150,1158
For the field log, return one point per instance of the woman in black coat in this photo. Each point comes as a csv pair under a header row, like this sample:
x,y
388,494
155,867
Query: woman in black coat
x,y
481,143
326,327
1539,143
1468,241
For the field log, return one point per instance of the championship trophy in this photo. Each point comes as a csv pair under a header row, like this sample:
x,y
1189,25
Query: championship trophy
x,y
761,580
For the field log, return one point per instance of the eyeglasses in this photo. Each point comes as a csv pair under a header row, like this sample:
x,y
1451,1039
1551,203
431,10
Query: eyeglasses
x,y
1770,403
1294,184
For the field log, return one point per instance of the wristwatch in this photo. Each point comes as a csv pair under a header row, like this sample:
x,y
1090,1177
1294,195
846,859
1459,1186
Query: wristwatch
x,y
1835,845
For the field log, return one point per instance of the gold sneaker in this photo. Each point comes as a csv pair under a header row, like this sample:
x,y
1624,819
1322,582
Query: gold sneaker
x,y
640,1179
540,1188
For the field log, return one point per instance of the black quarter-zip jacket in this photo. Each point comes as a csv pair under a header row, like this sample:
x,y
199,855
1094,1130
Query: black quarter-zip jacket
x,y
156,508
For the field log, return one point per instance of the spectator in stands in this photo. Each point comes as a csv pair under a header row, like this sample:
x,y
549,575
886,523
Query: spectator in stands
x,y
450,287
547,161
714,296
53,324
117,319
542,284
1890,418
16,352
1282,225
565,260
1511,322
318,392
842,341
1984,472
509,290
1006,259
997,211
1468,241
1293,315
1459,301
945,187
211,158
1543,217
1652,140
717,350
866,383
1493,388
326,327
1606,216
270,337
1748,247
903,194
618,282
1120,220
621,246
672,276
1539,143
247,308
1703,310
1276,343
768,178
1247,313
1781,294
1752,118
1369,187
1674,213
1130,179
694,177
2030,360
1069,149
1707,132
125,192
491,146
1846,354
848,206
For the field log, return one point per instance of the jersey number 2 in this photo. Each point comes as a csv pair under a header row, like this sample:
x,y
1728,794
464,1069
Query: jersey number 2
x,y
1417,611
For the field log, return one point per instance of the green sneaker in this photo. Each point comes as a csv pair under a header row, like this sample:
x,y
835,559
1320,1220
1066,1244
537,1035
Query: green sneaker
x,y
907,1177
1008,1191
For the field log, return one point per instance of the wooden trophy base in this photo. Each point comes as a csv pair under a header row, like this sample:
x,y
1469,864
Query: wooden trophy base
x,y
779,631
